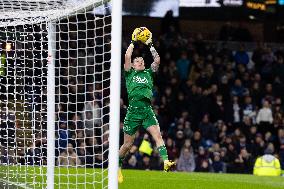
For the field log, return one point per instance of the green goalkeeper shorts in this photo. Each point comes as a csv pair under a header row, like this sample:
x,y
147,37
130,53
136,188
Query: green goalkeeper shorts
x,y
137,117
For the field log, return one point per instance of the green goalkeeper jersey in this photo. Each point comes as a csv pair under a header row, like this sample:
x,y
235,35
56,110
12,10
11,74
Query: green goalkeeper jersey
x,y
139,84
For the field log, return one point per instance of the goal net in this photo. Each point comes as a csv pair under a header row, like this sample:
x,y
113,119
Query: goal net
x,y
55,93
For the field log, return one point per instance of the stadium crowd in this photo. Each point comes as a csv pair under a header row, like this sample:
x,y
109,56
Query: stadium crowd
x,y
218,109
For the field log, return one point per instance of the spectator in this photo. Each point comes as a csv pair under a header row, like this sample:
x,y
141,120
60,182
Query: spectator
x,y
264,117
99,160
171,148
145,164
233,112
183,66
249,109
244,162
156,163
218,165
92,116
179,139
223,130
187,130
63,137
204,166
69,157
268,137
223,156
280,143
278,113
232,155
92,145
77,121
224,88
256,93
246,125
269,93
186,161
218,109
208,131
241,56
197,141
79,138
33,155
252,134
259,145
238,89
84,156
242,144
267,165
200,158
132,163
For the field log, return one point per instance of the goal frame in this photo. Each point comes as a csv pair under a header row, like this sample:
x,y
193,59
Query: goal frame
x,y
115,83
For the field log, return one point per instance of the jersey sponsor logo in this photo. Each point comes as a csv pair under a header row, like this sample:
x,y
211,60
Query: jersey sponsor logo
x,y
138,79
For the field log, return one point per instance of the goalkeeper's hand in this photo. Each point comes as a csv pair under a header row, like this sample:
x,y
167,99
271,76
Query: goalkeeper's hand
x,y
149,41
134,35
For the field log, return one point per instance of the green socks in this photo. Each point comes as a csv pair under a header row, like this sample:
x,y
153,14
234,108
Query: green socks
x,y
163,152
120,161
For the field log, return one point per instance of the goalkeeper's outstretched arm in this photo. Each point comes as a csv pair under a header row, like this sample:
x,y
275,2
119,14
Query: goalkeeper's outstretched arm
x,y
128,54
156,57
129,51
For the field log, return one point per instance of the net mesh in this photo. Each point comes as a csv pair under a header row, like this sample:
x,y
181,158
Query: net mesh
x,y
82,69
20,12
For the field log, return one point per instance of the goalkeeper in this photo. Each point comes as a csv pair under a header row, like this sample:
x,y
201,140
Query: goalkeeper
x,y
139,83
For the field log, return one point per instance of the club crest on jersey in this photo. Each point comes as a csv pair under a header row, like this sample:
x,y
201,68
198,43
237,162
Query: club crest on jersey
x,y
138,79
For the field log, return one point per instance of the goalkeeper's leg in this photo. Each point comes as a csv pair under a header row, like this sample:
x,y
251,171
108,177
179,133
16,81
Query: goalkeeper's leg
x,y
156,134
128,141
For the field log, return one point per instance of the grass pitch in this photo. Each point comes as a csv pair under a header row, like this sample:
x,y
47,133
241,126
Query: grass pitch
x,y
175,180
81,178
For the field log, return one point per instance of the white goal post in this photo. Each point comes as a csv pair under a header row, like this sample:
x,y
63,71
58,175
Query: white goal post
x,y
51,106
60,63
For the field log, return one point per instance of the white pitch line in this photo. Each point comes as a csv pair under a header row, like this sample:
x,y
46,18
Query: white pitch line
x,y
21,185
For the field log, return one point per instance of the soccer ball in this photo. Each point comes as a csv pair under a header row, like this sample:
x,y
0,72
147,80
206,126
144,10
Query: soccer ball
x,y
144,34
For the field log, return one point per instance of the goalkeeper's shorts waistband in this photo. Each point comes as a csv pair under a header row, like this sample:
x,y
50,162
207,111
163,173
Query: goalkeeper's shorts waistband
x,y
141,103
139,107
